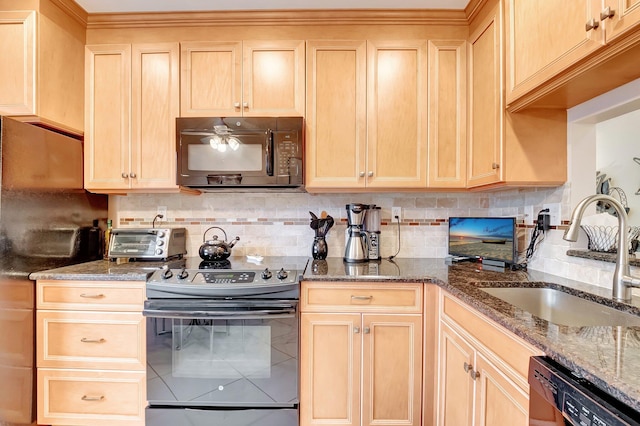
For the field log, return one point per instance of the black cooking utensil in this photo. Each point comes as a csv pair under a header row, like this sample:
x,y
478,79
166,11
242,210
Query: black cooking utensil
x,y
315,222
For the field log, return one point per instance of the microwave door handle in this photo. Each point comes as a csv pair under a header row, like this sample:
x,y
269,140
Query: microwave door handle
x,y
269,153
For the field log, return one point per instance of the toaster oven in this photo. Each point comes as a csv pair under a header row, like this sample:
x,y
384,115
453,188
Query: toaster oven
x,y
148,243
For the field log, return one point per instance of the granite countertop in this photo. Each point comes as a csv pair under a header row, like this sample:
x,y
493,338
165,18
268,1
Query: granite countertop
x,y
609,357
100,270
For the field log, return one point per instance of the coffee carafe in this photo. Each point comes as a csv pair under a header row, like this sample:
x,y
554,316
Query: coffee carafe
x,y
356,244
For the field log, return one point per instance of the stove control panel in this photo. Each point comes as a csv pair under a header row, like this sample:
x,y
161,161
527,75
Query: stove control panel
x,y
226,277
222,277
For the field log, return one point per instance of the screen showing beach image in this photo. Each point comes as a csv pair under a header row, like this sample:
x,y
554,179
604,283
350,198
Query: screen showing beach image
x,y
486,237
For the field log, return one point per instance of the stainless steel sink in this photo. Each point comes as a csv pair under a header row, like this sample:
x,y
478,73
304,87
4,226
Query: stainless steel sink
x,y
562,308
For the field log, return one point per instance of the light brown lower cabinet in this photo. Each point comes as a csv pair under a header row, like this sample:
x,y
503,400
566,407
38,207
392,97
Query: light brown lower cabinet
x,y
361,353
482,369
90,353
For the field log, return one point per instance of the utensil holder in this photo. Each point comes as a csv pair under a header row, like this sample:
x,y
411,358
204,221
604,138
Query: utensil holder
x,y
319,249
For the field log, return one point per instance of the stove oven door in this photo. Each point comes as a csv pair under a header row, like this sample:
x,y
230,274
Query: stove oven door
x,y
222,362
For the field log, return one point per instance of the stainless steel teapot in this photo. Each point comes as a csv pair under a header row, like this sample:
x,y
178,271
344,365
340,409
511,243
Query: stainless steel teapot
x,y
215,249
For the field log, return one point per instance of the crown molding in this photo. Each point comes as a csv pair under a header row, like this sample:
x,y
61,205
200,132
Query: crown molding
x,y
71,8
278,17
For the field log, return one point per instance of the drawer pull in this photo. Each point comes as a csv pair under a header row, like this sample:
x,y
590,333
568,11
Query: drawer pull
x,y
367,330
361,297
92,296
92,398
356,330
467,367
85,340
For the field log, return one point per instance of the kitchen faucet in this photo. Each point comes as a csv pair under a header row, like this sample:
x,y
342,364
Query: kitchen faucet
x,y
622,279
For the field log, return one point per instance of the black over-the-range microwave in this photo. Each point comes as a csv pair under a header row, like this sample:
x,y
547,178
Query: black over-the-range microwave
x,y
240,152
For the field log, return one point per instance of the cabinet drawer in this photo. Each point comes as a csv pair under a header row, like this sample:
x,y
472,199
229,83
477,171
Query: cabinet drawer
x,y
76,397
361,297
89,295
91,340
508,347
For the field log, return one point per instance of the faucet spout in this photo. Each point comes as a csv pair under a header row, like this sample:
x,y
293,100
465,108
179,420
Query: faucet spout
x,y
622,280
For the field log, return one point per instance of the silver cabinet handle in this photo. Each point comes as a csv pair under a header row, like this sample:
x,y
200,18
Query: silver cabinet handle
x,y
607,13
467,367
133,175
367,330
92,296
495,166
236,105
361,174
92,398
245,104
361,297
85,340
356,330
591,24
474,374
124,175
370,174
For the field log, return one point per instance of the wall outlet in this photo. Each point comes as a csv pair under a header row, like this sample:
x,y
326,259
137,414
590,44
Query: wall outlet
x,y
528,215
162,210
396,212
554,213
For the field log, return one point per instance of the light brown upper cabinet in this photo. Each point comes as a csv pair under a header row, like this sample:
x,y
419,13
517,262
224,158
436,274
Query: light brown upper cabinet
x,y
42,60
485,103
560,53
366,115
131,106
244,78
505,148
547,37
619,17
447,114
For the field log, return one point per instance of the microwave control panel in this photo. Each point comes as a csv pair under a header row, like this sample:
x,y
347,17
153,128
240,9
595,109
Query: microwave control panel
x,y
289,156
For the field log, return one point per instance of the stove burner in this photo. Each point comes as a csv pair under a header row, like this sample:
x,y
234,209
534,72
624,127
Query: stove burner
x,y
215,264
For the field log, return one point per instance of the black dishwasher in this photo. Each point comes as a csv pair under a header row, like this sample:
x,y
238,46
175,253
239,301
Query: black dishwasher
x,y
560,398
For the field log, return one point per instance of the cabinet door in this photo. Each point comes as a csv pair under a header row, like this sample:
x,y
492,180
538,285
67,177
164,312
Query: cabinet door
x,y
396,114
330,351
392,369
156,104
545,38
336,130
485,103
211,83
107,116
499,401
626,16
447,114
456,388
18,70
273,75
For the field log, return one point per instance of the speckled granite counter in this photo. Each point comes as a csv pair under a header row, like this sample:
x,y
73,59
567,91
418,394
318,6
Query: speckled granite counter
x,y
609,357
603,257
100,270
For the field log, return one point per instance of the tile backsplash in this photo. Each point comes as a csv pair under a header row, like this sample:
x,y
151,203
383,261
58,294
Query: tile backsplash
x,y
278,223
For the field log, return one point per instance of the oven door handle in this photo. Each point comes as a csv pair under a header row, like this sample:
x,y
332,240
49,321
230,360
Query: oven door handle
x,y
195,313
269,153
